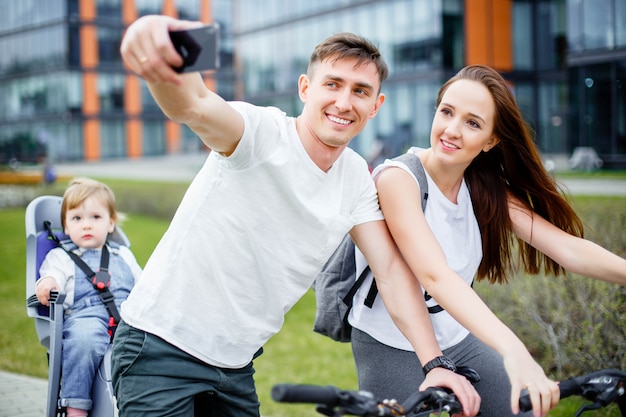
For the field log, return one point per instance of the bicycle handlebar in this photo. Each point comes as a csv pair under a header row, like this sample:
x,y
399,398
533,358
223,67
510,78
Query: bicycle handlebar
x,y
332,401
314,394
601,387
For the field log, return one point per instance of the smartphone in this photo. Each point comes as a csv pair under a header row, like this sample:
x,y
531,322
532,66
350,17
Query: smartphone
x,y
199,48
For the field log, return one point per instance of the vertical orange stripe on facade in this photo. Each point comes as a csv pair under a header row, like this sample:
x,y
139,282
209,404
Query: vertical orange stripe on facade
x,y
172,129
133,109
88,34
88,46
129,12
87,9
169,8
205,11
488,33
91,103
89,62
503,35
476,32
134,147
207,17
91,132
172,136
132,96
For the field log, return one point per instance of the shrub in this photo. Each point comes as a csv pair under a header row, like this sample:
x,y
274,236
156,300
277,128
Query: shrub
x,y
571,324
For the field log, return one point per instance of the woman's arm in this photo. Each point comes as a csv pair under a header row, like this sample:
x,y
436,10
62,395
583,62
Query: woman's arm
x,y
577,255
400,201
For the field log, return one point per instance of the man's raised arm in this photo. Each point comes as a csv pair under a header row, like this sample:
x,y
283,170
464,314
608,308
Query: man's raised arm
x,y
148,50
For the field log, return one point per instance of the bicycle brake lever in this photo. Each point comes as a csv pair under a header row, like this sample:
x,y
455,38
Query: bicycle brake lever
x,y
602,390
588,407
327,411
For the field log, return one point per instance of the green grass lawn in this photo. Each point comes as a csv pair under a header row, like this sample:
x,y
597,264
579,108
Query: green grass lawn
x,y
295,355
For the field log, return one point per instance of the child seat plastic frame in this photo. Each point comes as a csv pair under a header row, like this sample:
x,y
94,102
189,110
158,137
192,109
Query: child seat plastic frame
x,y
49,320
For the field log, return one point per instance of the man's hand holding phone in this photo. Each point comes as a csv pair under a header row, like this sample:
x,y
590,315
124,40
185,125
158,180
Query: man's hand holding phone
x,y
159,48
198,47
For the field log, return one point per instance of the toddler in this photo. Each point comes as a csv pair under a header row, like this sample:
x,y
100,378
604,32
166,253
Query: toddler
x,y
88,216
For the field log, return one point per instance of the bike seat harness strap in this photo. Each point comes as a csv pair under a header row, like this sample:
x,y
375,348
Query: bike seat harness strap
x,y
100,280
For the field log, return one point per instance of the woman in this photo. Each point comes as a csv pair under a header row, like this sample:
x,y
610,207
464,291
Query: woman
x,y
489,195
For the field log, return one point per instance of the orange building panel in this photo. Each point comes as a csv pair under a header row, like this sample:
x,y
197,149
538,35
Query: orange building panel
x,y
488,33
133,138
91,139
91,101
172,136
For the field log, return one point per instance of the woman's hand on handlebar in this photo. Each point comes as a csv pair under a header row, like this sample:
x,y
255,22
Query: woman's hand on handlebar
x,y
461,386
525,373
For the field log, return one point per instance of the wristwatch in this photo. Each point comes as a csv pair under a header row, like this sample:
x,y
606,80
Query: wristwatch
x,y
439,362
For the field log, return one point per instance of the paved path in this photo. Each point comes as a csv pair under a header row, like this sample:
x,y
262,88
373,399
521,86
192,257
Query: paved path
x,y
594,186
22,396
158,168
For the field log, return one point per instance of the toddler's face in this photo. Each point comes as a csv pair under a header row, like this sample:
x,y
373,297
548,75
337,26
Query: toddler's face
x,y
89,224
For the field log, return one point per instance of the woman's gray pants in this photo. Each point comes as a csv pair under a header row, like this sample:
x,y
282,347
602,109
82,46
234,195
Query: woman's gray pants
x,y
392,373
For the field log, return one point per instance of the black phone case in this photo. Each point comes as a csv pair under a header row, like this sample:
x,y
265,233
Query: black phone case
x,y
199,48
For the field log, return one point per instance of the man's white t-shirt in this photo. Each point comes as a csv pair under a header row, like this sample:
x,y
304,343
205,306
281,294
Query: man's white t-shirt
x,y
249,237
456,229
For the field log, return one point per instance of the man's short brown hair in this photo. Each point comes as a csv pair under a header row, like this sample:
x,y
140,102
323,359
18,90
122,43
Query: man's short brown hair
x,y
349,45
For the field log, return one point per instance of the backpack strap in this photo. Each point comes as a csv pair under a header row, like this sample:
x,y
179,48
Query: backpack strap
x,y
100,280
415,165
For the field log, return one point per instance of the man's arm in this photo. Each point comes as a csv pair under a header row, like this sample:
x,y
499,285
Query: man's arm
x,y
403,298
399,294
147,49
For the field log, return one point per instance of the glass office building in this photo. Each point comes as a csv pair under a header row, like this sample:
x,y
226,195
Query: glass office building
x,y
596,60
63,86
62,82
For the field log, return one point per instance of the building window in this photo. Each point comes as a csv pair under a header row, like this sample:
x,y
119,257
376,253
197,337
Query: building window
x,y
523,36
145,7
620,108
188,9
552,113
111,92
110,10
595,24
453,47
112,139
550,34
620,23
153,138
109,41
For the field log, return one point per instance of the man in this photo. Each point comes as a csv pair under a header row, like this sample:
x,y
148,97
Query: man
x,y
272,202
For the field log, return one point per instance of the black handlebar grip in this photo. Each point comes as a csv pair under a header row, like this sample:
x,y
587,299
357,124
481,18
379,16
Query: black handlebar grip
x,y
567,388
290,393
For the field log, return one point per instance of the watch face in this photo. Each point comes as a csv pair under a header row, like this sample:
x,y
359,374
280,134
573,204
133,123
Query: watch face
x,y
447,363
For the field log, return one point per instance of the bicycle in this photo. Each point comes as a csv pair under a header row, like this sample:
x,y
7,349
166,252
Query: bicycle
x,y
601,388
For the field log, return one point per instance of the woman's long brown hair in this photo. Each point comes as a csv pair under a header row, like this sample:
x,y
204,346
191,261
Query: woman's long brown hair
x,y
513,167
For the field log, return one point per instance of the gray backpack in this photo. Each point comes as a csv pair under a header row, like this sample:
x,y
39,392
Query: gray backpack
x,y
337,283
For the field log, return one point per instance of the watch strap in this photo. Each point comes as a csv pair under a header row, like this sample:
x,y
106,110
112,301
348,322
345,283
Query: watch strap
x,y
439,362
